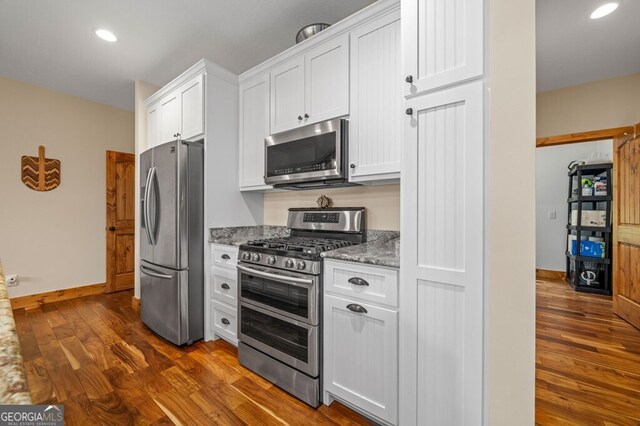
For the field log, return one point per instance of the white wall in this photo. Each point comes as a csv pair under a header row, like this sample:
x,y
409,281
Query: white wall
x,y
56,239
551,195
510,246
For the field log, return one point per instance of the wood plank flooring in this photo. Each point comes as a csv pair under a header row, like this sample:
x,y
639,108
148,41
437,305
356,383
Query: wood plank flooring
x,y
95,356
587,360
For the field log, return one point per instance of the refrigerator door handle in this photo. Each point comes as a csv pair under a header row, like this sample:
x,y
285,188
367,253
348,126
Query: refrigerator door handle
x,y
155,274
153,180
145,211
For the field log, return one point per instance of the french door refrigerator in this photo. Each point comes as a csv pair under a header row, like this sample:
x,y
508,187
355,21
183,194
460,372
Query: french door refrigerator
x,y
172,240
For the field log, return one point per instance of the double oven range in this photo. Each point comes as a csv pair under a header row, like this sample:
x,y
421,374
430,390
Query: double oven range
x,y
280,298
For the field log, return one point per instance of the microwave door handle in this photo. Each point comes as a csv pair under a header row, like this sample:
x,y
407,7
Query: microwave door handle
x,y
262,274
145,211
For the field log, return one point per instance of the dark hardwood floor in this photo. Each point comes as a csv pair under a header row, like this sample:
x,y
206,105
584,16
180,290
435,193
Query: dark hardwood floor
x,y
587,360
95,356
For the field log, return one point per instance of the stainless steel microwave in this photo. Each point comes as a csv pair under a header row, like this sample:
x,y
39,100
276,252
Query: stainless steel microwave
x,y
308,157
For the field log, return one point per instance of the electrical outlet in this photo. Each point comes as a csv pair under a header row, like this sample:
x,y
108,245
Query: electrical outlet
x,y
552,214
12,280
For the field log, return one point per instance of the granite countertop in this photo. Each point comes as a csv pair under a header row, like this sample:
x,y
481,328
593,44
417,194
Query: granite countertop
x,y
236,235
13,382
381,249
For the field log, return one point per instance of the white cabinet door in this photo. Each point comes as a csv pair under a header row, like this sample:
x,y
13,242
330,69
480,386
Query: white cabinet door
x,y
441,295
192,108
327,80
375,123
169,117
361,356
287,95
443,42
153,126
254,128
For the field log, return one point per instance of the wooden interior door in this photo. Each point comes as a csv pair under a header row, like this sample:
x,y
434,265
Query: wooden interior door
x,y
626,249
120,227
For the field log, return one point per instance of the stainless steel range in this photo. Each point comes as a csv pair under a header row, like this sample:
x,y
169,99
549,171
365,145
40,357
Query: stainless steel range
x,y
280,294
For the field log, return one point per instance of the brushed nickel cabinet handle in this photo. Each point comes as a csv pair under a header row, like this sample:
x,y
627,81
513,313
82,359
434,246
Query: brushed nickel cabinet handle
x,y
356,308
358,281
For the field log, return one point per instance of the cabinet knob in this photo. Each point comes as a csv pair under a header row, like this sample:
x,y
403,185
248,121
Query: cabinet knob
x,y
409,79
353,166
306,116
409,111
299,117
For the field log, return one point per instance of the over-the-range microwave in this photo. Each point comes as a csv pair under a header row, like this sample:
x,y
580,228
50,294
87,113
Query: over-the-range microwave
x,y
312,156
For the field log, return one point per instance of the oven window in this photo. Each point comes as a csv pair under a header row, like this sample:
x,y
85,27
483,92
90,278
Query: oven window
x,y
310,154
279,295
280,335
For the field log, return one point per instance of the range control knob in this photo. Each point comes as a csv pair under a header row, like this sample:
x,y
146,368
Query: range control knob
x,y
301,264
271,260
246,256
288,263
255,257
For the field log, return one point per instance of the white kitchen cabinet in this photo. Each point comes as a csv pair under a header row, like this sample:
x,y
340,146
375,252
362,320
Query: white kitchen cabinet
x,y
311,87
191,108
169,117
153,126
222,307
360,353
443,43
441,295
327,81
376,119
287,95
254,128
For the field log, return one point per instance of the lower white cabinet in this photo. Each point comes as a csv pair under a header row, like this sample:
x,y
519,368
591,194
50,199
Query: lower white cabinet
x,y
360,352
222,303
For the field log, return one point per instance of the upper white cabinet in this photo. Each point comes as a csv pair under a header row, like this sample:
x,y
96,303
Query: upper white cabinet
x,y
311,87
443,43
254,128
375,122
169,117
191,108
327,80
180,113
287,95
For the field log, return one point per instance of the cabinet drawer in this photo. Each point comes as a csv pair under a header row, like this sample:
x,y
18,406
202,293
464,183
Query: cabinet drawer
x,y
224,287
369,283
224,322
224,256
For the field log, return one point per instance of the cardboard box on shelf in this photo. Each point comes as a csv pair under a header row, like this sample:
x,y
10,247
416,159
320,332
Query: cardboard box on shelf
x,y
590,218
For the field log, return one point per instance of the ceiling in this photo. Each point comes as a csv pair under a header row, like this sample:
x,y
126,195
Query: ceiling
x,y
574,49
50,43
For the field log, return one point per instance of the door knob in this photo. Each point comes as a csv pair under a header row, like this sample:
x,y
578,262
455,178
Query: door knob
x,y
409,79
112,228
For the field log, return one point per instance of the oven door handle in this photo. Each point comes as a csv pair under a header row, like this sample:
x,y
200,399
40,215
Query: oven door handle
x,y
262,274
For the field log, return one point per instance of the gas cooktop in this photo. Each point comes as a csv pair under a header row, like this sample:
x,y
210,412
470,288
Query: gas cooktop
x,y
299,244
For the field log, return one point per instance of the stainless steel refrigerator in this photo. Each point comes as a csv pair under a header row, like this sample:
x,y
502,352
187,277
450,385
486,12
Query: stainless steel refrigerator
x,y
172,240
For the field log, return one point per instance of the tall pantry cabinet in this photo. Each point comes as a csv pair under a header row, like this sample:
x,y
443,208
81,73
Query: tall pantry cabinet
x,y
441,294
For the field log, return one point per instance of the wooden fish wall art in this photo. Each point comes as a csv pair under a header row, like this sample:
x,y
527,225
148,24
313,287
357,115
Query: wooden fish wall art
x,y
40,173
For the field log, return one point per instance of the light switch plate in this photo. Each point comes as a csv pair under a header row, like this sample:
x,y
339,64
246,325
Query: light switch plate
x,y
552,214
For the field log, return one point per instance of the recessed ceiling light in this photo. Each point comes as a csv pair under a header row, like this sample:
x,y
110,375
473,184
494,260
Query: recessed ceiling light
x,y
106,35
604,10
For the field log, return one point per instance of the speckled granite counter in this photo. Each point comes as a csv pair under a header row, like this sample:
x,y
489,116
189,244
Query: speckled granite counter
x,y
382,249
236,235
13,382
